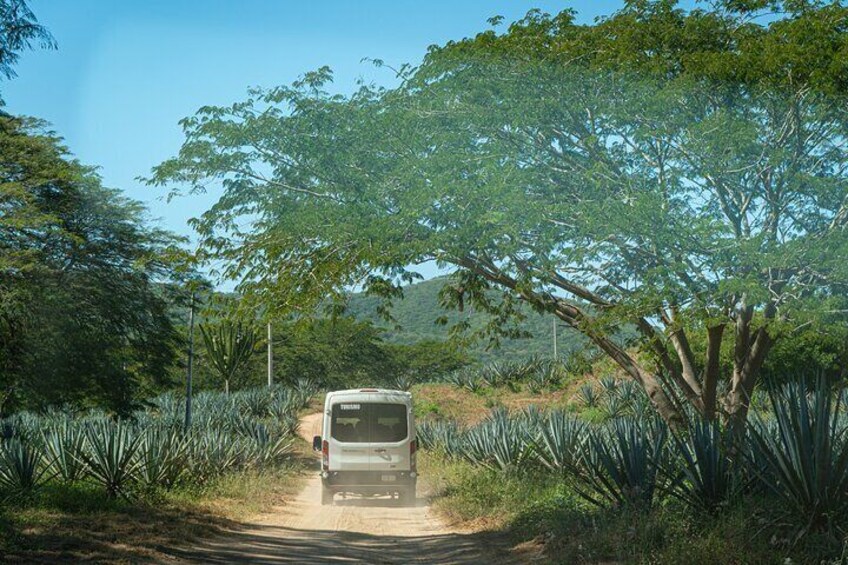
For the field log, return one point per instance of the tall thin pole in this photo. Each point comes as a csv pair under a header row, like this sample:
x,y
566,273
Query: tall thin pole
x,y
554,324
270,358
190,361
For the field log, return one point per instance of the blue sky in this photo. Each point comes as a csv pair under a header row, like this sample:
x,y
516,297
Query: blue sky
x,y
127,71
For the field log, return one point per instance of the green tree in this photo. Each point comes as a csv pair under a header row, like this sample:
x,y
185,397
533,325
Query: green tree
x,y
19,30
336,352
83,315
680,171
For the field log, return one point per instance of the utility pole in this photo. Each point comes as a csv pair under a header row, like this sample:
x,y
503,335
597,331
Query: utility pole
x,y
190,361
270,358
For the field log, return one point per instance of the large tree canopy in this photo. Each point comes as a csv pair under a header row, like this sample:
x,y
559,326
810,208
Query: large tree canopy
x,y
680,171
82,316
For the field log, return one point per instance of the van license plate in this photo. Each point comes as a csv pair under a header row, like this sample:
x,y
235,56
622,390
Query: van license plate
x,y
388,478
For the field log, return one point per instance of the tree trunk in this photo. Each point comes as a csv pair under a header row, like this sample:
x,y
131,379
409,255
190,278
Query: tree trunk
x,y
712,368
746,372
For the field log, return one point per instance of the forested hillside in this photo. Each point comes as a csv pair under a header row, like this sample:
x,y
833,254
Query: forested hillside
x,y
415,319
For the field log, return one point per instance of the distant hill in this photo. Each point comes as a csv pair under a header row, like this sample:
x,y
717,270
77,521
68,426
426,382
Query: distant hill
x,y
417,312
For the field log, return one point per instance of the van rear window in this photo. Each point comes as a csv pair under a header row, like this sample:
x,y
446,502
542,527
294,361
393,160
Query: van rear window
x,y
368,422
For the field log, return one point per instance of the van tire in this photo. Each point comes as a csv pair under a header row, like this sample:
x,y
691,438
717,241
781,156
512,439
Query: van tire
x,y
326,496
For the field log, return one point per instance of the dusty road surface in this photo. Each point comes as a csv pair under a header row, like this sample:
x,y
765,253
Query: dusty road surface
x,y
354,530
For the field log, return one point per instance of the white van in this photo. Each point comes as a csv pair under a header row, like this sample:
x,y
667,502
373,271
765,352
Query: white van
x,y
368,444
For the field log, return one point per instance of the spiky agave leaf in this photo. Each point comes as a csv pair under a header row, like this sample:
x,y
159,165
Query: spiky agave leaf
x,y
701,472
21,466
498,442
588,396
161,457
559,440
110,455
444,436
64,445
617,464
803,457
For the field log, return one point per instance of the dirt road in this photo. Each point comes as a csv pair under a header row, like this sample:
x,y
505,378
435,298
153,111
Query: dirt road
x,y
353,530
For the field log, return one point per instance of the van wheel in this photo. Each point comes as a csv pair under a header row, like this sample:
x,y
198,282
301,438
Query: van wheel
x,y
326,496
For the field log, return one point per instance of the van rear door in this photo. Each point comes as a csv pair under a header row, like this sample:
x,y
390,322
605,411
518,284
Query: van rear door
x,y
350,449
390,429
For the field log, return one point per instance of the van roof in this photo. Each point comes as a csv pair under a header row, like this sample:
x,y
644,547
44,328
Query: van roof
x,y
368,391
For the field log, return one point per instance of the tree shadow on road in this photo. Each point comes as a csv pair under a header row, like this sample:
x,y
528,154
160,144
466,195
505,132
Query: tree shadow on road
x,y
281,544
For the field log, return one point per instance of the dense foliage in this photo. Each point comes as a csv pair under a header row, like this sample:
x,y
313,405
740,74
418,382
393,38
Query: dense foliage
x,y
83,315
680,171
420,316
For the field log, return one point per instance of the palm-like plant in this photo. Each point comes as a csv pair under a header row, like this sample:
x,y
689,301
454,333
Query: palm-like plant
x,y
230,347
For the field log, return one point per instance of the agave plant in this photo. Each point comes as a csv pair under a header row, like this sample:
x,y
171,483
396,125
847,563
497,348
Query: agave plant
x,y
404,381
213,452
266,449
537,382
614,405
498,442
253,403
803,457
559,439
629,391
161,457
110,455
494,374
21,466
525,369
64,445
617,465
702,473
282,405
609,385
470,380
306,387
588,396
444,436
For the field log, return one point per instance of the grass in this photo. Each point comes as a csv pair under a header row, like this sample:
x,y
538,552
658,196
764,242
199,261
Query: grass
x,y
448,402
73,522
545,519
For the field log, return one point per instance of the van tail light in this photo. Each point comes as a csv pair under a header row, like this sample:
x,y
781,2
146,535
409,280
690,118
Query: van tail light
x,y
413,447
325,455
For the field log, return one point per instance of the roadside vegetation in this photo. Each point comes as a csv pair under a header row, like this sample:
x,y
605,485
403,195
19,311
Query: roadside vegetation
x,y
87,485
670,185
599,478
